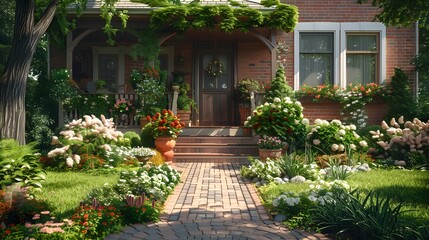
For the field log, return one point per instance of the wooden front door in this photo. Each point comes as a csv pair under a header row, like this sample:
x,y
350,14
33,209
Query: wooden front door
x,y
216,83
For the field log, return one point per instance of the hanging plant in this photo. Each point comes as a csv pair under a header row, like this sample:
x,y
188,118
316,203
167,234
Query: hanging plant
x,y
215,68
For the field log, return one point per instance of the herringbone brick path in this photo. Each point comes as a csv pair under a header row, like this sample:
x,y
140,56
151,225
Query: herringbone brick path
x,y
213,202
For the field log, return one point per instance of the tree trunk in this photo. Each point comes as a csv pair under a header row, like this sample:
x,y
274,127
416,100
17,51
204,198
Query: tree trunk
x,y
13,82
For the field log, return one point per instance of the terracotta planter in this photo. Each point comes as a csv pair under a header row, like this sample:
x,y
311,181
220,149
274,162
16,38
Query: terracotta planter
x,y
165,146
269,153
143,122
185,117
244,113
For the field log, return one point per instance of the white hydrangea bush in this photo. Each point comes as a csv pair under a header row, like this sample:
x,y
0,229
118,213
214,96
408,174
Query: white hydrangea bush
x,y
327,138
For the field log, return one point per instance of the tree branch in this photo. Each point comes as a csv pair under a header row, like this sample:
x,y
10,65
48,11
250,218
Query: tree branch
x,y
46,19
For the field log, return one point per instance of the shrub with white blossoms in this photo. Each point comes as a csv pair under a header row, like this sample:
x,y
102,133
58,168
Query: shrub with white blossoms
x,y
400,137
87,137
281,118
334,137
155,181
291,204
259,170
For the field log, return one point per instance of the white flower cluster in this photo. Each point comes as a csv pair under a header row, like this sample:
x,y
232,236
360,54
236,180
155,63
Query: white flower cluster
x,y
413,135
288,199
78,131
334,133
353,108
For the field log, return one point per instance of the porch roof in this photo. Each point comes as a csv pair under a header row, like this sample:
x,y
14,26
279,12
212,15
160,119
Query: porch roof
x,y
93,6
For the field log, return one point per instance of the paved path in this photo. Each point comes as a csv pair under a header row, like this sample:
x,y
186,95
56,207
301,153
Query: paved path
x,y
213,202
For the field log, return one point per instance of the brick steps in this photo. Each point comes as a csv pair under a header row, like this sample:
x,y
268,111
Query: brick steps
x,y
201,144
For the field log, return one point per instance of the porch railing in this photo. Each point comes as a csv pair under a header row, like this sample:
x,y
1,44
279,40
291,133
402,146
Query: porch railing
x,y
123,120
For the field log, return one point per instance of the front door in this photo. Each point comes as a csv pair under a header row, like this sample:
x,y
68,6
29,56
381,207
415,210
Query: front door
x,y
216,82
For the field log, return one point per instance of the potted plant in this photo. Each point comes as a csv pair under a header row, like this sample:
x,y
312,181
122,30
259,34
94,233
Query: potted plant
x,y
184,103
151,91
165,127
270,147
122,109
281,118
243,89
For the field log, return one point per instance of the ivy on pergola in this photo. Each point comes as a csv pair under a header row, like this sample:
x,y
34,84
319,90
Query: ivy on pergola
x,y
180,18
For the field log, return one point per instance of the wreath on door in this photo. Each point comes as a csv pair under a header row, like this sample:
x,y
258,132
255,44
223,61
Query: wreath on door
x,y
215,68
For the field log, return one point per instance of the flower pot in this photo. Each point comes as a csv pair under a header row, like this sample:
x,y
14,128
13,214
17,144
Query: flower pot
x,y
143,122
165,146
185,117
269,153
244,113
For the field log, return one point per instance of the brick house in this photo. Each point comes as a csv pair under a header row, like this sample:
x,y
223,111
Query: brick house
x,y
335,41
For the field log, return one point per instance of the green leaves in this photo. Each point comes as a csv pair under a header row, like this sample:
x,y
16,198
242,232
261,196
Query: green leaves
x,y
19,165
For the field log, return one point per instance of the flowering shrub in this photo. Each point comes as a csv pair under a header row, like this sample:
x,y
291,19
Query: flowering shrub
x,y
282,118
399,137
140,214
156,182
270,143
90,136
259,170
122,106
122,155
334,137
165,124
96,222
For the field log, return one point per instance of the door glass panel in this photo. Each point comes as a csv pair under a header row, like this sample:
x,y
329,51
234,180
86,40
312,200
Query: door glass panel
x,y
215,72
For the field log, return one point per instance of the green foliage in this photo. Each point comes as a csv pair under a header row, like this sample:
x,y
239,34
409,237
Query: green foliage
x,y
282,118
134,138
151,91
284,18
401,13
147,46
145,213
180,18
147,136
19,164
354,217
259,170
155,182
400,100
108,11
334,137
244,87
270,3
293,165
63,89
184,102
278,87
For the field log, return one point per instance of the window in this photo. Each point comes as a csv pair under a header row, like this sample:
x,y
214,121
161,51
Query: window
x,y
108,70
315,58
339,53
362,58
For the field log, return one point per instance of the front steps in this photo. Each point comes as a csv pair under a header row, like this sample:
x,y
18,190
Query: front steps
x,y
219,144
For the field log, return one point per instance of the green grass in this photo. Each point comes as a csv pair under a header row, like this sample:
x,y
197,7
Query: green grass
x,y
63,191
404,186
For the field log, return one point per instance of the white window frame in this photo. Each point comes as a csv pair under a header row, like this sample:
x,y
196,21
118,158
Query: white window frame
x,y
120,52
364,27
340,31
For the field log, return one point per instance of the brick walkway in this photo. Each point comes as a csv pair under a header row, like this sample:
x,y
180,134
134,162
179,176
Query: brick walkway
x,y
213,202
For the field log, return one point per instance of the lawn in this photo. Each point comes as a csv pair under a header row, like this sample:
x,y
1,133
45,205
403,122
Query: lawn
x,y
63,191
410,187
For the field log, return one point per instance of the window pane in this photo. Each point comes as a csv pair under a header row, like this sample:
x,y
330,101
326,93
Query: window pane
x,y
361,68
108,70
361,43
315,69
316,43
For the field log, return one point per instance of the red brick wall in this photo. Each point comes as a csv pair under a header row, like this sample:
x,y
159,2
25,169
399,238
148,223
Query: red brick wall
x,y
329,110
253,61
401,42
